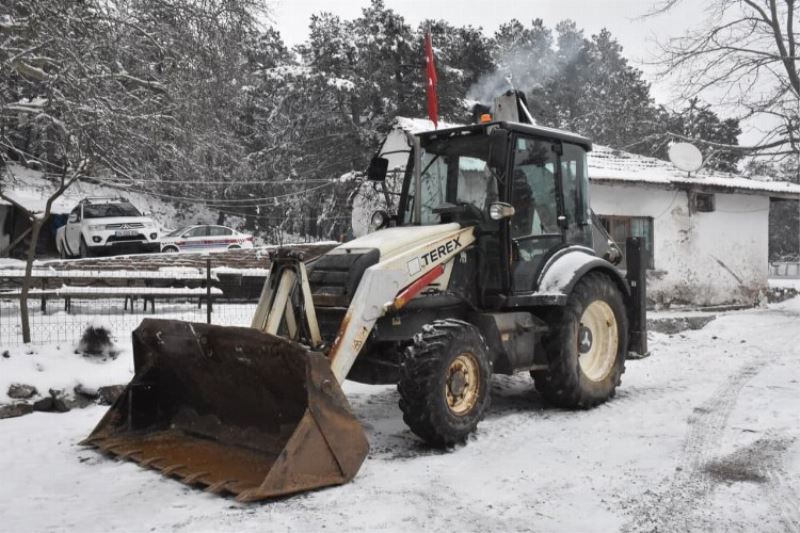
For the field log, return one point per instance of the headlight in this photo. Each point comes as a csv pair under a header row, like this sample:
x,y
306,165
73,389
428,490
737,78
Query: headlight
x,y
378,220
97,227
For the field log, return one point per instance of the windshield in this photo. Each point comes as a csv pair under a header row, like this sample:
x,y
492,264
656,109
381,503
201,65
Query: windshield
x,y
176,232
454,170
117,209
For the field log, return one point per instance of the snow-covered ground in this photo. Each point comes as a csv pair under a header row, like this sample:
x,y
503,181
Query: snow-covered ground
x,y
704,435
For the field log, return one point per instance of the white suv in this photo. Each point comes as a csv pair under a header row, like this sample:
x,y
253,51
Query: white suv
x,y
106,226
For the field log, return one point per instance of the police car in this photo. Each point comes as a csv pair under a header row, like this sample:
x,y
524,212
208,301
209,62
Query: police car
x,y
205,239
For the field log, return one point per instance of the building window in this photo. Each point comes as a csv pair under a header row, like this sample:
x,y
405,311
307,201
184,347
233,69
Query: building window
x,y
701,202
620,228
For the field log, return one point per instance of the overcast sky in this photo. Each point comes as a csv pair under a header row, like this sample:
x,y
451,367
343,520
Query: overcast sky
x,y
623,18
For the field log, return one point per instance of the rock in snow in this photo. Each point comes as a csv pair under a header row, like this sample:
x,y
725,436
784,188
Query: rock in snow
x,y
20,391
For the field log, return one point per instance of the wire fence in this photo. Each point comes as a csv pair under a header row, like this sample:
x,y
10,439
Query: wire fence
x,y
62,305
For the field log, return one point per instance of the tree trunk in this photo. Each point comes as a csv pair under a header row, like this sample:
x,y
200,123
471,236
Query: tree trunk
x,y
36,227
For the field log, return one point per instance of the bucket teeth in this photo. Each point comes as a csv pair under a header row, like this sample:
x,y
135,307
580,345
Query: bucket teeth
x,y
128,453
219,486
150,460
263,417
172,468
190,479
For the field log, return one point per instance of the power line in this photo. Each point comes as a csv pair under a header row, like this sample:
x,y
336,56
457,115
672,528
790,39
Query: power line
x,y
240,202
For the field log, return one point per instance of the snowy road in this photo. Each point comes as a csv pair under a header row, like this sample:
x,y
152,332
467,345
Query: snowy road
x,y
704,435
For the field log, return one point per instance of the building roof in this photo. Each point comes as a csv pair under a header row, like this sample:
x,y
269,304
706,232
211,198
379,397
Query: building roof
x,y
30,189
618,167
615,167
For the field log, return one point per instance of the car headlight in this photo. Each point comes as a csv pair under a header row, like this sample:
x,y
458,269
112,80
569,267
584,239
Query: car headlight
x,y
97,227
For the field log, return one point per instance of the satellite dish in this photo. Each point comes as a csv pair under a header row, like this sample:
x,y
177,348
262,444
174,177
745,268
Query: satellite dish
x,y
686,157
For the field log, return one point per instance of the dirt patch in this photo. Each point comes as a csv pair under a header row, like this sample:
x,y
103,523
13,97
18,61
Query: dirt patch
x,y
750,464
671,326
733,471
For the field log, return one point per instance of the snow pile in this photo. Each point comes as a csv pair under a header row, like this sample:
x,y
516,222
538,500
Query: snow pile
x,y
58,367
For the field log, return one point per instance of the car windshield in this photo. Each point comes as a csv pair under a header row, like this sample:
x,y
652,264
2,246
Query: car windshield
x,y
176,232
454,170
116,209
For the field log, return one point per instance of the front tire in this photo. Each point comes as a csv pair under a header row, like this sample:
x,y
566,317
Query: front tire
x,y
444,382
586,351
84,249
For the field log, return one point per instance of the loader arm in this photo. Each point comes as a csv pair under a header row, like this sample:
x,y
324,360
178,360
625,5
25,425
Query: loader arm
x,y
389,284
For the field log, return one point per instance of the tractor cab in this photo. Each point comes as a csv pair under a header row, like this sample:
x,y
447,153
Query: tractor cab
x,y
525,189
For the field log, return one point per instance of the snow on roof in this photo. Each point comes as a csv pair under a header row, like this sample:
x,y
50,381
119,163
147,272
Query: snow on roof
x,y
30,188
609,165
420,125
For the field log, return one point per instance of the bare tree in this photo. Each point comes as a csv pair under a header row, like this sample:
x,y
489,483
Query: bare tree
x,y
37,220
743,57
67,104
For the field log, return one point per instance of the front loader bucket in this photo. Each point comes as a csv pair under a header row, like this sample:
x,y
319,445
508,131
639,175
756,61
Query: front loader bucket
x,y
233,409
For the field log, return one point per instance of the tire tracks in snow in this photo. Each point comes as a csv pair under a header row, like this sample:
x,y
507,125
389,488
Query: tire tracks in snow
x,y
676,508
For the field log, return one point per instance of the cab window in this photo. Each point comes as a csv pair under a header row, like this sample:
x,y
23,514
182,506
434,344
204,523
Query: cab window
x,y
534,189
534,195
453,170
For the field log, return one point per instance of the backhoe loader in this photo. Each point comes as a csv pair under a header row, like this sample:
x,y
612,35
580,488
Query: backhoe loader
x,y
490,264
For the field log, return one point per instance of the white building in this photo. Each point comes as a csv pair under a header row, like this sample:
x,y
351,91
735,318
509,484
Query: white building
x,y
707,235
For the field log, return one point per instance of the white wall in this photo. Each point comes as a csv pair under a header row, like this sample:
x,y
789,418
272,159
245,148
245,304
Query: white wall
x,y
700,258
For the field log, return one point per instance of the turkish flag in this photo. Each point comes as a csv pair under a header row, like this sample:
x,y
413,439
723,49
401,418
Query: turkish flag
x,y
430,67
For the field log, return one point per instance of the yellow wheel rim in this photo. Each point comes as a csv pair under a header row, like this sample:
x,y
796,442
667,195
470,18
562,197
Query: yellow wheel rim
x,y
462,384
598,340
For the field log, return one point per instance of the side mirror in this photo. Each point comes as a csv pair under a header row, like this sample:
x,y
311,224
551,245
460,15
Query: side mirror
x,y
498,148
377,169
73,217
501,210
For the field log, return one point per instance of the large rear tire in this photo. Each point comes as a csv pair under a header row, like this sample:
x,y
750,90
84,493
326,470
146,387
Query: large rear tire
x,y
586,351
444,382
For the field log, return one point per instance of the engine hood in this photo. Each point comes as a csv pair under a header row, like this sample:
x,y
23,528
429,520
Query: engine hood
x,y
392,241
118,220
